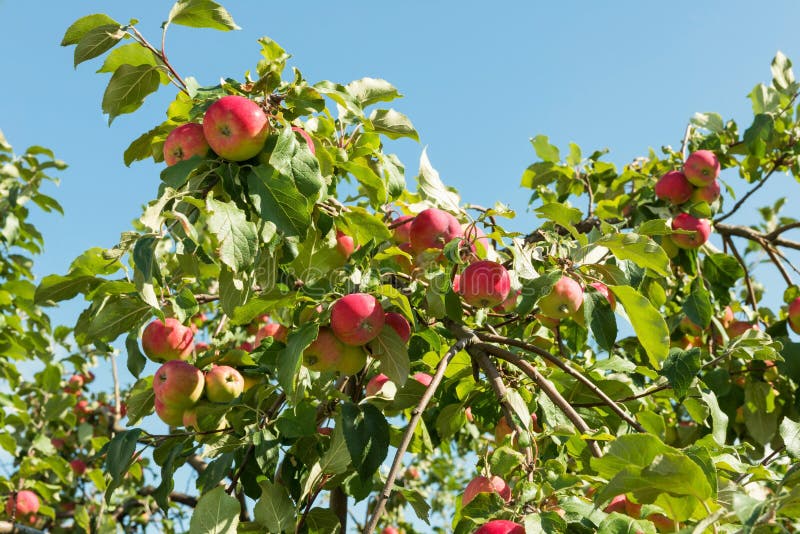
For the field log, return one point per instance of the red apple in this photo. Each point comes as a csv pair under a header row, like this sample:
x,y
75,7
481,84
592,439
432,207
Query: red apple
x,y
793,314
728,317
344,244
24,505
468,414
235,127
400,325
172,415
563,300
328,353
75,382
674,188
483,484
82,407
390,530
423,378
662,522
167,340
402,228
623,505
603,290
510,304
737,328
184,142
223,383
276,331
479,243
433,228
500,526
178,384
684,221
701,167
484,284
707,193
58,443
376,384
357,319
307,138
78,467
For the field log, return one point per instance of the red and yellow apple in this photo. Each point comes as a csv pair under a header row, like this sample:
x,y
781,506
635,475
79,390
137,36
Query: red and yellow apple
x,y
178,384
223,383
564,299
185,142
235,127
674,188
357,318
483,484
400,325
484,284
23,505
433,228
701,168
167,340
700,227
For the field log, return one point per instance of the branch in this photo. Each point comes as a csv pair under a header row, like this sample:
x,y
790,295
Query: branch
x,y
416,413
7,527
751,294
747,195
117,400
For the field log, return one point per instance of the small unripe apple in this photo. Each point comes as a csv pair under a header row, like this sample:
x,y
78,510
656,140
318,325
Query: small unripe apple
x,y
793,314
423,378
78,467
400,325
483,484
701,167
304,134
172,415
276,331
23,505
700,227
352,361
357,319
167,340
484,284
433,228
500,526
235,127
223,383
185,142
344,244
178,383
674,188
563,300
401,230
707,193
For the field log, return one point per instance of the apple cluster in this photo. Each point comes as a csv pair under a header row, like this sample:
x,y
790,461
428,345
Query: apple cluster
x,y
23,506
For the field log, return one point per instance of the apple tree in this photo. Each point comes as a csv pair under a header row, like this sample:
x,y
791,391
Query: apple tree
x,y
334,351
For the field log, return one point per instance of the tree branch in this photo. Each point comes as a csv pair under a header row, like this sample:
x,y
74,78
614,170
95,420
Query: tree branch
x,y
747,195
750,292
7,527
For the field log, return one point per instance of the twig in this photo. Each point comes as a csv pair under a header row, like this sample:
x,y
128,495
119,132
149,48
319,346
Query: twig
x,y
7,527
753,235
175,77
751,294
747,195
117,400
777,263
220,326
765,462
685,144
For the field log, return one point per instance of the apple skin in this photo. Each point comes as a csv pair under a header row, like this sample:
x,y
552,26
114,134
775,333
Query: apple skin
x,y
510,304
276,331
223,383
483,484
78,467
701,168
167,340
75,382
328,354
563,300
178,384
674,188
793,314
172,415
307,138
185,142
433,228
500,526
357,318
737,328
399,323
344,244
484,284
376,383
662,522
708,193
390,530
603,290
235,127
402,229
24,505
423,378
684,221
623,505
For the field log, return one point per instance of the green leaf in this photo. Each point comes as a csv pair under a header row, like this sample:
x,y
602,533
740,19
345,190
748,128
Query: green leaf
x,y
562,215
142,147
216,513
274,510
365,226
97,41
277,200
757,135
710,121
680,368
639,249
546,151
647,322
237,237
57,288
289,360
543,173
83,25
393,172
392,124
617,523
418,502
234,288
336,459
392,352
367,91
294,159
132,54
719,419
698,305
136,360
790,433
366,433
322,521
432,189
782,75
116,315
128,87
201,14
600,317
119,457
140,400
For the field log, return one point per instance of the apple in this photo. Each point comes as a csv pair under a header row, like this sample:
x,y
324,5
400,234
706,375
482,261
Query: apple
x,y
223,383
707,193
167,340
603,290
793,315
178,384
433,228
307,138
701,168
563,300
468,414
172,415
684,221
58,443
82,407
390,530
510,304
662,522
484,284
737,328
423,378
401,230
78,467
235,127
623,505
674,188
503,429
276,331
478,242
380,384
727,317
399,323
483,484
75,382
500,526
357,318
23,505
185,142
344,244
328,353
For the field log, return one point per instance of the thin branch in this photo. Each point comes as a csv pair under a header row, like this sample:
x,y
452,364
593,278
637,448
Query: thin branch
x,y
747,195
7,527
646,393
751,294
781,229
175,78
765,462
777,263
117,400
685,144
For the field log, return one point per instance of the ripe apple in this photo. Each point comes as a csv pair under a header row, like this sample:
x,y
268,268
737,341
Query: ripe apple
x,y
662,522
684,221
727,317
468,414
235,127
402,228
483,484
510,304
399,323
357,318
78,467
276,331
390,530
223,383
737,328
479,243
344,244
623,505
58,443
674,188
701,167
82,407
376,383
167,340
707,193
328,353
24,505
793,314
178,384
484,284
423,378
352,361
75,382
307,138
433,228
184,142
500,526
172,415
563,300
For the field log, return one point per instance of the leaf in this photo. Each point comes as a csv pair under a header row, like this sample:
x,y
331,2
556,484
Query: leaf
x,y
367,91
140,400
617,523
274,510
56,288
116,315
639,249
294,159
128,87
719,419
336,459
366,433
119,457
562,215
790,433
83,25
392,124
389,348
710,121
546,151
698,305
97,41
647,322
543,173
216,513
322,521
277,200
756,136
136,360
431,188
680,368
131,54
201,14
782,75
600,318
234,289
289,360
237,237
142,147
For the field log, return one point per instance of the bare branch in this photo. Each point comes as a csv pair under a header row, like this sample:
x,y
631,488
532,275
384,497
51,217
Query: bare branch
x,y
751,294
747,195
